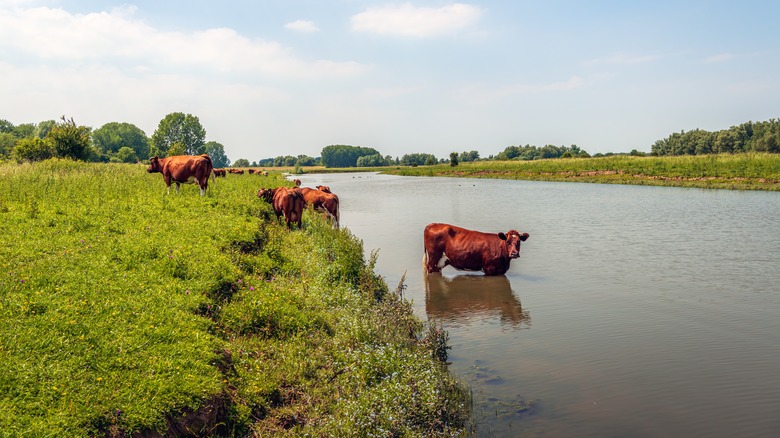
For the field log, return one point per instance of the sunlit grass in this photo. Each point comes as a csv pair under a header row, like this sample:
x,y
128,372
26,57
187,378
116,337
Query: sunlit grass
x,y
123,308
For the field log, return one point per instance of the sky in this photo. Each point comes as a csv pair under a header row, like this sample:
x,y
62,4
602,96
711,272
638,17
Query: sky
x,y
289,77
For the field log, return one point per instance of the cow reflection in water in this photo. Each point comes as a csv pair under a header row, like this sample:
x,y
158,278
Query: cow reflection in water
x,y
463,297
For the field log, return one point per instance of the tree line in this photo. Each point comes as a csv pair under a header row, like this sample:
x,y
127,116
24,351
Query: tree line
x,y
747,137
182,134
356,156
176,134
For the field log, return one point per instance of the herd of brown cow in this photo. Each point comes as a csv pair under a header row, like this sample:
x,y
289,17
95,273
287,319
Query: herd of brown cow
x,y
444,244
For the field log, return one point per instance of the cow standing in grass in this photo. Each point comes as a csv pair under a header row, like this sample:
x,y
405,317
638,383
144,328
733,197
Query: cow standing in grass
x,y
287,202
323,202
184,169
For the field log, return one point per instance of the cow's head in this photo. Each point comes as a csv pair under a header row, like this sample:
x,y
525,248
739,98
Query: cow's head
x,y
325,189
512,240
266,194
154,165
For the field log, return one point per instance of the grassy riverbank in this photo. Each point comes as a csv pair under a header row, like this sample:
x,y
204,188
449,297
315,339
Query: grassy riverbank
x,y
124,310
738,171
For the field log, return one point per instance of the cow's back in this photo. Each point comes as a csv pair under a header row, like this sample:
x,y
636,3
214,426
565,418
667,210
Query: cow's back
x,y
463,249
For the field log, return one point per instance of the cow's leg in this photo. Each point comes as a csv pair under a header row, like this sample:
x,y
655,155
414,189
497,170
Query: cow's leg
x,y
443,261
432,260
204,185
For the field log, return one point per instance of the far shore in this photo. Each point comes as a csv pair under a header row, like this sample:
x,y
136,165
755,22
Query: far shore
x,y
749,171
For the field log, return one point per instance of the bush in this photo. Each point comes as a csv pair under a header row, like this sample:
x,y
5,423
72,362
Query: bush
x,y
32,149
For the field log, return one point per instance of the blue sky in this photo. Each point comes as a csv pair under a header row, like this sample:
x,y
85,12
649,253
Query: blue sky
x,y
269,78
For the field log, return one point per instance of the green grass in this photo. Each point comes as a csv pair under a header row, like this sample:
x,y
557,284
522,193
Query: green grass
x,y
751,171
125,310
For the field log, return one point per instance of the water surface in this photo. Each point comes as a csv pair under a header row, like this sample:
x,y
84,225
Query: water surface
x,y
632,311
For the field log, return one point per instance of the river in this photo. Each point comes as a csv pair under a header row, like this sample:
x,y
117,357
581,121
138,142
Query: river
x,y
632,311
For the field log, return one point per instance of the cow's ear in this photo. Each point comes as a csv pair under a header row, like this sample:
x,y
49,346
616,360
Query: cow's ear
x,y
524,237
502,236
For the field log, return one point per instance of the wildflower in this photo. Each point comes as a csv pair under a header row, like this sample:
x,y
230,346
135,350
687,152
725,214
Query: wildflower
x,y
251,288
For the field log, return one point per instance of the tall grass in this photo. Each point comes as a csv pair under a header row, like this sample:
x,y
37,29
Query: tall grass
x,y
750,171
126,310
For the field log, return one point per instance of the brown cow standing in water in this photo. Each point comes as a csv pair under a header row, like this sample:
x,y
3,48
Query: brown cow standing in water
x,y
183,169
323,202
470,250
286,201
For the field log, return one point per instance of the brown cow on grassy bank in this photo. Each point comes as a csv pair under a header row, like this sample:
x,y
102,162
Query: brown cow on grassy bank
x,y
286,201
323,202
470,250
183,169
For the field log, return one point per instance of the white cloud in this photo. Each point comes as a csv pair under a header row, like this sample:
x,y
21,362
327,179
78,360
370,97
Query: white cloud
x,y
412,21
622,58
721,57
305,26
54,34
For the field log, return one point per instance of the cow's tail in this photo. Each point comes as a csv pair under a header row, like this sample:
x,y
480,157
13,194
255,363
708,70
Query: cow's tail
x,y
211,165
338,212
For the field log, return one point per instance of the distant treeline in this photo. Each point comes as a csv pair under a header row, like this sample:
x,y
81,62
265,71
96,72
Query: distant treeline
x,y
357,156
747,137
114,142
180,133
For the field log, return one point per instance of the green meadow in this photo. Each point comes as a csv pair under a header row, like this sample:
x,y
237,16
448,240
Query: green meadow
x,y
125,310
747,171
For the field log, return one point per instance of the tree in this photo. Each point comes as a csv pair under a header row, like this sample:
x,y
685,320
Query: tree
x,y
344,155
70,140
217,153
305,160
376,160
32,149
113,136
177,149
125,154
6,126
182,128
44,128
241,162
7,143
468,156
24,130
284,161
418,159
453,159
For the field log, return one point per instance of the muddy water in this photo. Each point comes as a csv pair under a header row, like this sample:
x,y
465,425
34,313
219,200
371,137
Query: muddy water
x,y
632,311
